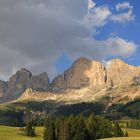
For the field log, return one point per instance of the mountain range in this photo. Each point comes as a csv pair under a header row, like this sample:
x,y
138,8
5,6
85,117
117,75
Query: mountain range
x,y
85,81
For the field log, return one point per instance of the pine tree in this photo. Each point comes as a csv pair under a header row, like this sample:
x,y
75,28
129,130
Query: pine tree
x,y
127,124
104,129
126,134
117,130
63,131
72,125
29,130
91,126
49,131
81,130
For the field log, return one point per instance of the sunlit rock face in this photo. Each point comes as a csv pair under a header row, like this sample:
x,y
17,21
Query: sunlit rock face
x,y
83,73
87,73
74,77
121,73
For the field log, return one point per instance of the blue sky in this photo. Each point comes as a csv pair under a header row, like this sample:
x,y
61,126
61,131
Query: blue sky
x,y
128,31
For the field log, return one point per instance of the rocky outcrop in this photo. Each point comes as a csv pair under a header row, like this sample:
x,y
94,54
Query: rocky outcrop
x,y
121,73
74,77
87,73
3,88
39,82
20,81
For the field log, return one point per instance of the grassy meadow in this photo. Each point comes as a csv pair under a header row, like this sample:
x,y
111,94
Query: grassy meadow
x,y
15,133
129,138
132,133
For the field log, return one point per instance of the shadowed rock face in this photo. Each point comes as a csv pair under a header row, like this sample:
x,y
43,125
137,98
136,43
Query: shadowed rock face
x,y
3,88
39,82
20,81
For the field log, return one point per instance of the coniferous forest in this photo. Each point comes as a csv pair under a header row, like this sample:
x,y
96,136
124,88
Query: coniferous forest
x,y
80,128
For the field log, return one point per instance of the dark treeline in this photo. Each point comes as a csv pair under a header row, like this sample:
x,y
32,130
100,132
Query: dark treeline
x,y
80,128
80,108
15,114
134,124
11,117
131,109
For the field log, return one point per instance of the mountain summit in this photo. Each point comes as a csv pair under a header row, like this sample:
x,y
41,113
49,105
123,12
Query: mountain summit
x,y
95,74
20,81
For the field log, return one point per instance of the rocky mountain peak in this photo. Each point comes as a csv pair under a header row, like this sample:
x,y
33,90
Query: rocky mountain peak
x,y
118,63
40,82
44,74
21,75
87,73
22,80
74,77
81,60
83,73
24,70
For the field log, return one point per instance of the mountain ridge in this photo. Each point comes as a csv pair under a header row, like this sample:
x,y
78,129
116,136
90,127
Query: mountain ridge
x,y
83,74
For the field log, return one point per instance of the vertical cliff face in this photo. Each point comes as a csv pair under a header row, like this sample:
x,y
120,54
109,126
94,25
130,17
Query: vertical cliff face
x,y
22,80
3,88
39,82
120,73
83,73
87,73
74,77
19,82
96,74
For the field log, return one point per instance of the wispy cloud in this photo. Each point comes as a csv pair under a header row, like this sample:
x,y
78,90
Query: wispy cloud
x,y
91,5
124,16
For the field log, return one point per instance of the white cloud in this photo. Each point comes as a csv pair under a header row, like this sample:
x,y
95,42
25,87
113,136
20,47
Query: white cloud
x,y
97,17
124,16
91,5
121,47
34,34
124,5
112,46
